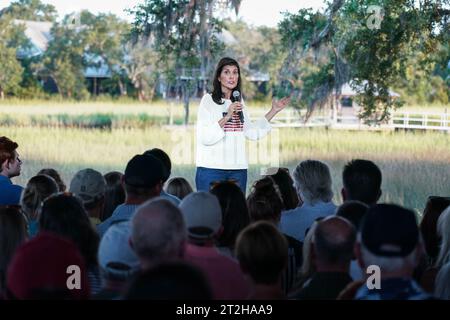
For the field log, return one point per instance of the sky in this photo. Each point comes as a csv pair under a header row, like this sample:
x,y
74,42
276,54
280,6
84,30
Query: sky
x,y
254,12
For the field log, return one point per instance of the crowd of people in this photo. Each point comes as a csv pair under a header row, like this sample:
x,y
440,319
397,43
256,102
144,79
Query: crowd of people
x,y
140,234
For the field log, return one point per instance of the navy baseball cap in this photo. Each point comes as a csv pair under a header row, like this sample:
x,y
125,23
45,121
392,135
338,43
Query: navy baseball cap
x,y
144,171
390,230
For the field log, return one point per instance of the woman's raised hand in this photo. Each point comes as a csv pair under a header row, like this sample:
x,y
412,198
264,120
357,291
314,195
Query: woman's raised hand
x,y
278,105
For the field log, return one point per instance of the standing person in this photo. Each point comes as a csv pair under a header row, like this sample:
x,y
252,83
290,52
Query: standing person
x,y
10,165
223,125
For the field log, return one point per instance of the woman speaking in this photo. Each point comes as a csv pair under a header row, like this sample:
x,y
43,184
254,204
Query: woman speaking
x,y
223,124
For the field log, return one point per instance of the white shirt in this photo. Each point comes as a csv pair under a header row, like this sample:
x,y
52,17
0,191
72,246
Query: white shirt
x,y
224,148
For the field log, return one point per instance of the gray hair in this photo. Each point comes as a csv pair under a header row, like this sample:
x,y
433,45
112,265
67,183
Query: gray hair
x,y
312,180
443,227
158,231
442,283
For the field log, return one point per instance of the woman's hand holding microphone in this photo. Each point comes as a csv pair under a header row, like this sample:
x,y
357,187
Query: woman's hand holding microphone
x,y
235,107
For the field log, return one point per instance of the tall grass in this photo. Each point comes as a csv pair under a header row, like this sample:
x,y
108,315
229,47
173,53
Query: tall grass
x,y
414,165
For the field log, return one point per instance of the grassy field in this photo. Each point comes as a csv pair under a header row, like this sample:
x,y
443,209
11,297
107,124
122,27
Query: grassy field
x,y
414,165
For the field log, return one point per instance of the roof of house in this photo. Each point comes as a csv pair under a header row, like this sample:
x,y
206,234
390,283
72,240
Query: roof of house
x,y
38,32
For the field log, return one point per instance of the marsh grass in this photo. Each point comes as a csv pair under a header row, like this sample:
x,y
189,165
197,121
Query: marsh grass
x,y
415,165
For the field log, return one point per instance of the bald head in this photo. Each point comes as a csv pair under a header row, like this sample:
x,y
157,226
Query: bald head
x,y
158,232
333,240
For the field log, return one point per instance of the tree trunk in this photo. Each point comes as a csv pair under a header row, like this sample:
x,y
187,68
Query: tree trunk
x,y
94,89
141,94
2,94
204,43
186,102
123,91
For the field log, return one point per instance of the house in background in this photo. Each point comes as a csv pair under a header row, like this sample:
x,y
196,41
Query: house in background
x,y
38,32
346,104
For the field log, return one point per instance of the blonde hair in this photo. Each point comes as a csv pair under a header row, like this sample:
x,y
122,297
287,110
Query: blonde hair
x,y
313,181
178,187
38,188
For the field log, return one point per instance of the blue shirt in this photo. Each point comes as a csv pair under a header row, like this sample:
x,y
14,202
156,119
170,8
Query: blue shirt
x,y
124,212
170,197
33,228
296,221
9,193
393,289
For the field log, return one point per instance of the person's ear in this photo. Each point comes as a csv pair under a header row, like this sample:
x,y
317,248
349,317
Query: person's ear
x,y
4,165
159,187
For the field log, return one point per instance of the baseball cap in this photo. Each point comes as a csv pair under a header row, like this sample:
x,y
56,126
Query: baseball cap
x,y
389,230
202,214
144,171
89,185
39,269
115,255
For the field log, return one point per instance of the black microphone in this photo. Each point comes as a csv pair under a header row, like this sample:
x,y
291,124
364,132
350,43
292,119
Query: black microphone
x,y
235,97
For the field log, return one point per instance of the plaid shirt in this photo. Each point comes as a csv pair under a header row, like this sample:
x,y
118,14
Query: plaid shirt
x,y
393,289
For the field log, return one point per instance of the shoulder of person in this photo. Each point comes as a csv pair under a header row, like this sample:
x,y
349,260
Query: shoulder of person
x,y
207,99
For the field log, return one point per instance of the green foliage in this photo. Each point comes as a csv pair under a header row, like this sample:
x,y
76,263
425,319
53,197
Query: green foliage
x,y
371,49
10,71
258,50
33,10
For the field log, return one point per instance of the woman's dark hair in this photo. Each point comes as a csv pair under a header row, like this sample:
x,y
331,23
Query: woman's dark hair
x,y
37,189
285,183
217,93
63,214
114,193
428,226
178,187
263,252
265,201
235,215
13,232
55,175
